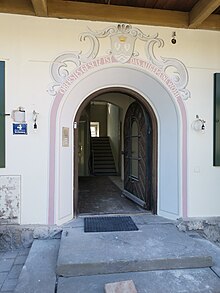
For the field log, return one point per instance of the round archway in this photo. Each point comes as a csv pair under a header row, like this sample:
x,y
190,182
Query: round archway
x,y
170,178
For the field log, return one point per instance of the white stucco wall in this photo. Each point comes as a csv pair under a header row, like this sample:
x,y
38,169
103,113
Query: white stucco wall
x,y
28,45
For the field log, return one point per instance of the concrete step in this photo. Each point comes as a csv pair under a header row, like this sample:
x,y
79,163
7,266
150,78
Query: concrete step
x,y
153,247
38,274
171,281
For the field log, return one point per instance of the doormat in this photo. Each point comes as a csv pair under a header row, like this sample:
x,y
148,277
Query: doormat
x,y
109,224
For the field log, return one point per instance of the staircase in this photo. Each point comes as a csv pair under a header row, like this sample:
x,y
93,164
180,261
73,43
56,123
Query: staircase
x,y
103,161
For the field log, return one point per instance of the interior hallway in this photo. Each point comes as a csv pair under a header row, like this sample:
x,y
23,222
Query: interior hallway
x,y
99,195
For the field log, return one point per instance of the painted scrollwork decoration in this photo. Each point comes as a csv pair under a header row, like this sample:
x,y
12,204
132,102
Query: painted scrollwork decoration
x,y
122,48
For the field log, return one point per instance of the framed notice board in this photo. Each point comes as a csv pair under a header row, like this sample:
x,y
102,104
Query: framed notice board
x,y
216,161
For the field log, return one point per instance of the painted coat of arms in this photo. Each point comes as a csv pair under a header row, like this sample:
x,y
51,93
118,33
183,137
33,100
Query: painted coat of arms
x,y
122,47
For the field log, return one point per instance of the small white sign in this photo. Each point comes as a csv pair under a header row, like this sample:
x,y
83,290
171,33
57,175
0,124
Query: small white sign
x,y
65,136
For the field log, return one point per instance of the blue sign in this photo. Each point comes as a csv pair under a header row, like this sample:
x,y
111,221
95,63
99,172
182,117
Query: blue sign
x,y
19,128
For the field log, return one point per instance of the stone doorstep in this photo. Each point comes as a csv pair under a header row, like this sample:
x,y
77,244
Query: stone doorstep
x,y
120,287
160,248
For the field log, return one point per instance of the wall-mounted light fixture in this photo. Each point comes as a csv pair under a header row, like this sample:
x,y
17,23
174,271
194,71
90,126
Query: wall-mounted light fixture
x,y
173,40
35,116
18,115
198,124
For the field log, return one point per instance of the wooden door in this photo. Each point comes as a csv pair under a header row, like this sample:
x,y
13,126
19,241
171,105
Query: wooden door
x,y
138,155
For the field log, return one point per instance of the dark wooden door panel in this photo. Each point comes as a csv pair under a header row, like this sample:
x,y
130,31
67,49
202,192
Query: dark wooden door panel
x,y
138,155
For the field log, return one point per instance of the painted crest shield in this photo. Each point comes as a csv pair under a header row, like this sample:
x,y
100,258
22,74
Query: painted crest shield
x,y
122,47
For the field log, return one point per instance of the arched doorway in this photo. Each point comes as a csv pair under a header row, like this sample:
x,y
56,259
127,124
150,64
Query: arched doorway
x,y
171,121
142,184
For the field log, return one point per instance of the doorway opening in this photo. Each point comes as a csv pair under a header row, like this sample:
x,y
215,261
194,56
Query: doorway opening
x,y
117,154
94,129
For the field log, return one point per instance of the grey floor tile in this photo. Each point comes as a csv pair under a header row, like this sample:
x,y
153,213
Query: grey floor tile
x,y
9,285
15,272
3,276
24,251
11,254
6,264
20,259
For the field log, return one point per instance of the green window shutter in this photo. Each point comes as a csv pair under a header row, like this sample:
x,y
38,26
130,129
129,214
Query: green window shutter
x,y
2,116
217,119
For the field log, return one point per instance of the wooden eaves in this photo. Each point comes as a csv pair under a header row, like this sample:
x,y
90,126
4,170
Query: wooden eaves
x,y
200,17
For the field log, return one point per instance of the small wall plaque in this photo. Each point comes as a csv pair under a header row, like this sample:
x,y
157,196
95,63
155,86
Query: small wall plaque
x,y
19,128
65,136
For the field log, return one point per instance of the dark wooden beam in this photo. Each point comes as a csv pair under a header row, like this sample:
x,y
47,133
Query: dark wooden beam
x,y
113,13
16,7
40,7
211,23
201,11
199,16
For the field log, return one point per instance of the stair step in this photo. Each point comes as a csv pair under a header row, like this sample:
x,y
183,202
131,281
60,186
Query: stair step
x,y
103,160
102,151
38,273
109,170
100,154
100,138
105,174
112,165
153,247
102,146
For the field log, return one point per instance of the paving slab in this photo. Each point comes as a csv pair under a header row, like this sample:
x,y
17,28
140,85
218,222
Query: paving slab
x,y
214,251
171,281
9,285
153,247
6,264
38,274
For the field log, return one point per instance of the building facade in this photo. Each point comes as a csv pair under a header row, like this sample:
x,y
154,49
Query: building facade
x,y
55,71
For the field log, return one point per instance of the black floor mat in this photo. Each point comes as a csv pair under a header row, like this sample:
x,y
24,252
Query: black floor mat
x,y
109,224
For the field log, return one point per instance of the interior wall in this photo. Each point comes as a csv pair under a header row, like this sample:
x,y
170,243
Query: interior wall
x,y
98,113
113,131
